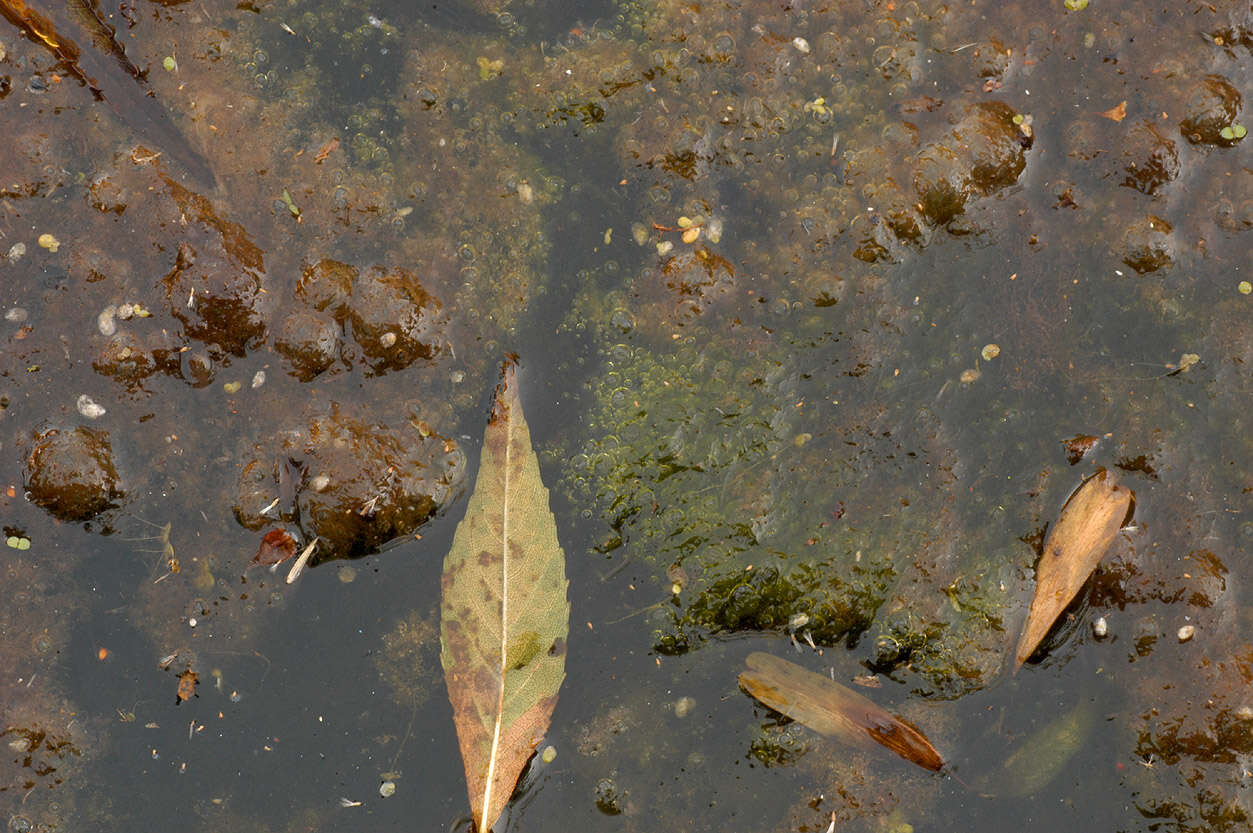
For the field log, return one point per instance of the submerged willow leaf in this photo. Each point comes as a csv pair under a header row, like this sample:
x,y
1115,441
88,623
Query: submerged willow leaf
x,y
832,709
504,614
1087,525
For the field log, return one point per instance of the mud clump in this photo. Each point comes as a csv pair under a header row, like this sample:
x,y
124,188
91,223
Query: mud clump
x,y
1151,160
984,153
310,342
684,287
71,473
1210,106
1147,245
219,300
355,484
394,320
390,316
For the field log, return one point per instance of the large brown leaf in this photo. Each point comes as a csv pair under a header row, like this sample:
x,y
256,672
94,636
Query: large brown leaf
x,y
1087,525
504,616
832,709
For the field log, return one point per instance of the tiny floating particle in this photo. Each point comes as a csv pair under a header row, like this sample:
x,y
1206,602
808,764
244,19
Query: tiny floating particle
x,y
639,234
169,63
969,376
990,352
15,252
526,193
1186,632
387,339
387,789
1100,628
17,315
88,407
258,379
47,241
802,45
691,234
1186,361
232,387
549,754
683,706
1244,287
348,802
664,247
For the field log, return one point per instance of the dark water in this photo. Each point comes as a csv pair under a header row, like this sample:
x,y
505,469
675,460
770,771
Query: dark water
x,y
940,249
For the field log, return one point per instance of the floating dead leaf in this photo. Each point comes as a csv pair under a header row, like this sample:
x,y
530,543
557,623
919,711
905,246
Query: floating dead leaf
x,y
1087,525
187,682
504,613
832,709
276,547
1117,113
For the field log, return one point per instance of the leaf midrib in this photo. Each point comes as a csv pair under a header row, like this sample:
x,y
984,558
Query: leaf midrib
x,y
504,623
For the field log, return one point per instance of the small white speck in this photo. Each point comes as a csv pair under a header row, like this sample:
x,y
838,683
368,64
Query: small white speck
x,y
801,45
258,379
191,623
1186,633
1100,628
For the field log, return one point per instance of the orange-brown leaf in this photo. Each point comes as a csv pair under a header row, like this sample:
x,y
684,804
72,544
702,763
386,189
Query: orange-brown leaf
x,y
276,547
1116,113
1087,525
326,150
832,709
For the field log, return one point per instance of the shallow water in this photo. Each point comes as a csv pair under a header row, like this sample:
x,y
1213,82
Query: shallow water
x,y
937,249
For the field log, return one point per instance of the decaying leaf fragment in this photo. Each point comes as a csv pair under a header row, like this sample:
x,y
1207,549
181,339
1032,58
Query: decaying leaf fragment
x,y
187,682
1087,525
832,709
277,546
504,614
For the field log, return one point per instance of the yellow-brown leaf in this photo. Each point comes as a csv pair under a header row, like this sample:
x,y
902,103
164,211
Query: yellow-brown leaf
x,y
832,709
1087,525
504,614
